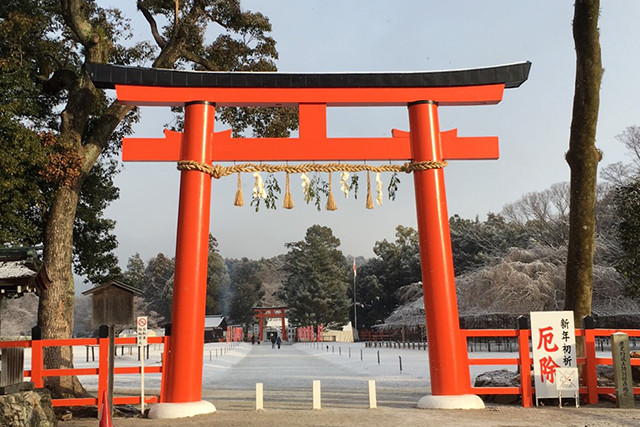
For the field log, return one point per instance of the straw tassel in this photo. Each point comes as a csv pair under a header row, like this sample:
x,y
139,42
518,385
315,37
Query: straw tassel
x,y
369,197
331,202
239,201
288,200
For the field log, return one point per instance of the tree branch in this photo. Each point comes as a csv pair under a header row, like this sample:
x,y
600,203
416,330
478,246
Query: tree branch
x,y
61,79
74,15
190,56
162,43
98,139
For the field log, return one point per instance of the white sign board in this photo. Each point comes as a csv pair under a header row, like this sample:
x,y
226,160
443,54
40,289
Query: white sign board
x,y
553,339
141,324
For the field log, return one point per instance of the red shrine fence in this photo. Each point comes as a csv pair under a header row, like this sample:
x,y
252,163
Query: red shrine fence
x,y
589,389
37,372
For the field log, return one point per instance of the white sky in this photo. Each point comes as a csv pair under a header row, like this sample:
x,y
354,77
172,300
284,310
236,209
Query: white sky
x,y
411,35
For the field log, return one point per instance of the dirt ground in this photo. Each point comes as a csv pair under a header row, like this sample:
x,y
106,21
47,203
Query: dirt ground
x,y
598,416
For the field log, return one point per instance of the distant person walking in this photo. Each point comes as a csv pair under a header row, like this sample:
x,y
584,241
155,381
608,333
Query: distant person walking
x,y
253,339
278,341
273,341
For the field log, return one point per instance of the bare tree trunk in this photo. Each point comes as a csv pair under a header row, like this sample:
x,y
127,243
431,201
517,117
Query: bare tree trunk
x,y
55,310
583,158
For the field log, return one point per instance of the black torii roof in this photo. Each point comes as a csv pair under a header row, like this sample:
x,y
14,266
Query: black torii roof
x,y
106,76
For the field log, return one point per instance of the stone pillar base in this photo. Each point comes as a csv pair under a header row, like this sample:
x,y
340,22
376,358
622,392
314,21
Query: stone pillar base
x,y
463,401
181,410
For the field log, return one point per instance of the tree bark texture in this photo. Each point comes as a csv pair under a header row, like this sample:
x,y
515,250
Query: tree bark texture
x,y
583,158
55,311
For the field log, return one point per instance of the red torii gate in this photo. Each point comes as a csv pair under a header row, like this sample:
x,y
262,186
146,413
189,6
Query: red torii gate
x,y
262,313
421,92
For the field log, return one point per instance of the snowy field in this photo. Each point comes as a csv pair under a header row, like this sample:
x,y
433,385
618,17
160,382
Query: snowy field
x,y
230,372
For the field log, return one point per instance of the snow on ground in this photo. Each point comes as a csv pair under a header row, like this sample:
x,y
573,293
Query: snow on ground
x,y
356,359
342,368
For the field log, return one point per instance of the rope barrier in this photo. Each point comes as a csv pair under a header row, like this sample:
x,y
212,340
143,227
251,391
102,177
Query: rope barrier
x,y
258,193
219,171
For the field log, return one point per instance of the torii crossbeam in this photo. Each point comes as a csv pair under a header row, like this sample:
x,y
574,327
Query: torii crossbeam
x,y
421,92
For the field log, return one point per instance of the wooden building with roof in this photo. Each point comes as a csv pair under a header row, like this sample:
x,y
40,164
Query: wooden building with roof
x,y
22,271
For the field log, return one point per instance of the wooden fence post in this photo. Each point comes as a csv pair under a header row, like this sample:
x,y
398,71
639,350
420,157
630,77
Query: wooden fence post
x,y
103,363
37,362
525,361
590,376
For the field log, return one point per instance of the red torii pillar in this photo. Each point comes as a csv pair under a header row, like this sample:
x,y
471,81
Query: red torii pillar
x,y
185,354
448,358
421,93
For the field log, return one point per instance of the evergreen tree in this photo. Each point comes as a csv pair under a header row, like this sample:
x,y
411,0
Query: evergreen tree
x,y
217,281
158,286
246,289
397,264
316,289
135,273
627,207
476,243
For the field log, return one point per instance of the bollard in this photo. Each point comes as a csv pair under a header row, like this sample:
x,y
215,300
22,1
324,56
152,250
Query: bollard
x,y
340,351
378,357
372,395
259,397
333,350
349,352
316,394
400,359
210,357
360,354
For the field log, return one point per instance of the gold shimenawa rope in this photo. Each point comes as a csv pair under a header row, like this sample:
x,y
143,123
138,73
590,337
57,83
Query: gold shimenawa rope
x,y
219,171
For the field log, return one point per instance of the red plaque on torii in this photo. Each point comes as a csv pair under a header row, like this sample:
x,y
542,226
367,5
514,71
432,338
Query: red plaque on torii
x,y
421,92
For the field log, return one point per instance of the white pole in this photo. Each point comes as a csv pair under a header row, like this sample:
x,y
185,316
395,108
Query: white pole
x,y
316,394
372,394
142,380
355,311
259,397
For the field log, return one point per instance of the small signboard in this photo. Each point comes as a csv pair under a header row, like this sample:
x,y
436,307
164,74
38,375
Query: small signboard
x,y
141,324
567,379
554,346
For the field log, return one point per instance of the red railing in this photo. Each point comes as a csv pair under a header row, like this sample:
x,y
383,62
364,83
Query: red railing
x,y
37,373
589,386
523,361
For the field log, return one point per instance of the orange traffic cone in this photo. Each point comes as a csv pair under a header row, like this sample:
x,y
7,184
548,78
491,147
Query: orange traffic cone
x,y
105,418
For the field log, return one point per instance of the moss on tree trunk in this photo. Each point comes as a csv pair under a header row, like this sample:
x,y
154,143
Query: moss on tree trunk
x,y
583,158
